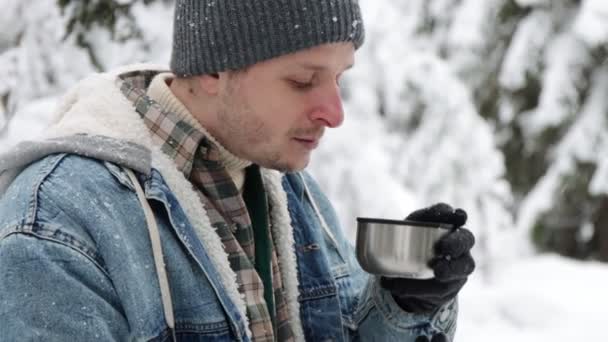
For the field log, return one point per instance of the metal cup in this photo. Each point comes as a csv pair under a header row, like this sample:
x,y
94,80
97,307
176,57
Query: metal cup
x,y
399,249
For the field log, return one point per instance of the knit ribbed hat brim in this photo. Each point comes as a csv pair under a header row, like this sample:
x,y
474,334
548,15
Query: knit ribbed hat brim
x,y
217,35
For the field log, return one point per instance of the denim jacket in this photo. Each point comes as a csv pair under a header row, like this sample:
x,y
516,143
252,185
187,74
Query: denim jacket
x,y
76,260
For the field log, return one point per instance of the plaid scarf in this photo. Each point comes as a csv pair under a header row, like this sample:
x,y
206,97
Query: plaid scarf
x,y
198,158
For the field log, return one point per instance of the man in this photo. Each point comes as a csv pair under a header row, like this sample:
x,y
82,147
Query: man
x,y
172,206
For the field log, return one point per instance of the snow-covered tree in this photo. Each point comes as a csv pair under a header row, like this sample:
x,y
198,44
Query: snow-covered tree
x,y
542,70
532,73
413,134
33,61
495,106
46,46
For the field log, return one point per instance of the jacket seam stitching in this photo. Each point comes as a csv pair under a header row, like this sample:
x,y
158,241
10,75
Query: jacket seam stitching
x,y
43,174
35,234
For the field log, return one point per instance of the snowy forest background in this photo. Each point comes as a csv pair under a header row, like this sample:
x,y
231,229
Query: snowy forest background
x,y
496,106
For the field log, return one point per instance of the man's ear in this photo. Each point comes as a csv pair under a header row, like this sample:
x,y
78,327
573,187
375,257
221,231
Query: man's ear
x,y
210,84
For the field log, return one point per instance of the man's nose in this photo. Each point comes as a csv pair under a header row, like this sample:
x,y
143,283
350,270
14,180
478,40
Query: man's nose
x,y
329,109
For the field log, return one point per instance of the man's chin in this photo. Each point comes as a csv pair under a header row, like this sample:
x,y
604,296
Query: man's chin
x,y
289,166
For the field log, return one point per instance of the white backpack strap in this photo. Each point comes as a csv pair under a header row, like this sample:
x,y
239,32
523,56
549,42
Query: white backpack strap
x,y
157,251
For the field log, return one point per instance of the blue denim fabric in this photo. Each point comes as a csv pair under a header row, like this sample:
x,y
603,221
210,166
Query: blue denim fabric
x,y
76,265
330,275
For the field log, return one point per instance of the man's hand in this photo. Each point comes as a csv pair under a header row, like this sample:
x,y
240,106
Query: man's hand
x,y
452,264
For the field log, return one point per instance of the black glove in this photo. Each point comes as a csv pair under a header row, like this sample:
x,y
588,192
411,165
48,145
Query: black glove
x,y
452,264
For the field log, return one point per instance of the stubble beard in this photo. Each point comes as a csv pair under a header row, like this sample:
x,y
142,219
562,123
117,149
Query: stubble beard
x,y
245,135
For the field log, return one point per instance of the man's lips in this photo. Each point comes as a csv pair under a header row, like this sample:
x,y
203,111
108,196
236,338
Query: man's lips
x,y
308,142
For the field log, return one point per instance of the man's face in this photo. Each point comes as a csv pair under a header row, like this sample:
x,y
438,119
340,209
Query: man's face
x,y
275,112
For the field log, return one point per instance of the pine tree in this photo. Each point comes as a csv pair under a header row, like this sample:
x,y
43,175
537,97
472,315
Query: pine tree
x,y
497,106
420,138
540,79
32,63
45,49
535,71
115,16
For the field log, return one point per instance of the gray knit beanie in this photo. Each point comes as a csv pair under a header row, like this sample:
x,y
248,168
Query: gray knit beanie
x,y
210,36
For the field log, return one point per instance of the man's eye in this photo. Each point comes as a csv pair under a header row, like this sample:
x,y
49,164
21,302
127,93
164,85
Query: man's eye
x,y
301,85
